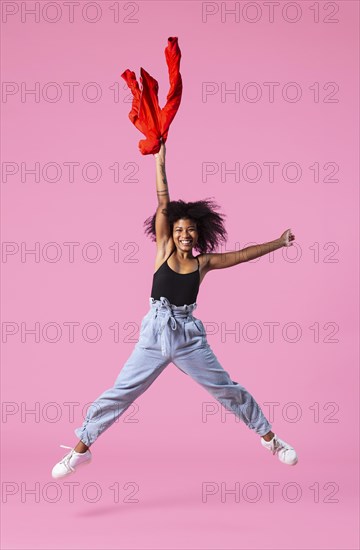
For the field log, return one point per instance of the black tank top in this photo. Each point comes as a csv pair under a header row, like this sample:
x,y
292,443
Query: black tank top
x,y
178,288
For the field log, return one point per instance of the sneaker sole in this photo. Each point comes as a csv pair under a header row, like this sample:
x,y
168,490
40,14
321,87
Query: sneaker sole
x,y
85,463
291,464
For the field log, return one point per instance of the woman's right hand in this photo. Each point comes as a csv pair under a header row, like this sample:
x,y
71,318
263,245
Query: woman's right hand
x,y
160,156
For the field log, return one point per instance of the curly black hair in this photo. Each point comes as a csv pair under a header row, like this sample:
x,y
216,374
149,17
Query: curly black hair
x,y
210,224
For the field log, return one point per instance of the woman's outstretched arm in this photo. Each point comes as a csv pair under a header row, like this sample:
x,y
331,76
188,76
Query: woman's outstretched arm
x,y
228,259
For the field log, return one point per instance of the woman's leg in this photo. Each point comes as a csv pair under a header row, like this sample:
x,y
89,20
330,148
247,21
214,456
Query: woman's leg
x,y
195,357
203,366
142,368
138,373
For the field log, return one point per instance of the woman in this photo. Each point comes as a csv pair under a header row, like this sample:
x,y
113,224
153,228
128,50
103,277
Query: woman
x,y
169,331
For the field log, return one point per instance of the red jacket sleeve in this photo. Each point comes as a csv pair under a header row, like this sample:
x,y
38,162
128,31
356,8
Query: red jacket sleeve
x,y
145,112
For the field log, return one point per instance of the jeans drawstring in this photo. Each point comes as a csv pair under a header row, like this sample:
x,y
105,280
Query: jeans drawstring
x,y
169,315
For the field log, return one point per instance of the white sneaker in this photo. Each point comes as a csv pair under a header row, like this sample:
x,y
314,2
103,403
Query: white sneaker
x,y
70,462
285,452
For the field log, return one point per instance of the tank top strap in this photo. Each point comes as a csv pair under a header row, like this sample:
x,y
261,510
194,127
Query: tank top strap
x,y
170,254
197,259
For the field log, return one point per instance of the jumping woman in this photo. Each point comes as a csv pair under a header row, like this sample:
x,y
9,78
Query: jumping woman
x,y
170,333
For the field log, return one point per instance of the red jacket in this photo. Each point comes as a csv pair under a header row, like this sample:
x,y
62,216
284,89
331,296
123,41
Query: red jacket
x,y
145,112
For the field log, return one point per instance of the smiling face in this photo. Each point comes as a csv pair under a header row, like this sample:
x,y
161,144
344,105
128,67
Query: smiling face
x,y
185,234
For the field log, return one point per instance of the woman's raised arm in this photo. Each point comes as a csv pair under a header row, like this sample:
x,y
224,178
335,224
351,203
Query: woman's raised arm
x,y
162,226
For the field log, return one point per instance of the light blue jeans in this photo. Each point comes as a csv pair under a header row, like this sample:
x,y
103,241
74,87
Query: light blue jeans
x,y
170,334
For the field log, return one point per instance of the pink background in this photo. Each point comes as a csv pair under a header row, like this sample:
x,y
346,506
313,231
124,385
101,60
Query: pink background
x,y
168,452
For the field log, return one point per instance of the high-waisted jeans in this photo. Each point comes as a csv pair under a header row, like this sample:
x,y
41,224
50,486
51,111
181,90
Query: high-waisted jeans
x,y
170,334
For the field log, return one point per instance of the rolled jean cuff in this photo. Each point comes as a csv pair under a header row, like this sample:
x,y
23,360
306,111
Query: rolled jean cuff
x,y
83,435
263,430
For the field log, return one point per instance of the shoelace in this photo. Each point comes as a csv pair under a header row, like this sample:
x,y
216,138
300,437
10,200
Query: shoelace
x,y
277,446
66,459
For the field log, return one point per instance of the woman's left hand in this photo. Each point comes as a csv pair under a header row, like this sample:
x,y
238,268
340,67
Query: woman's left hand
x,y
287,237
